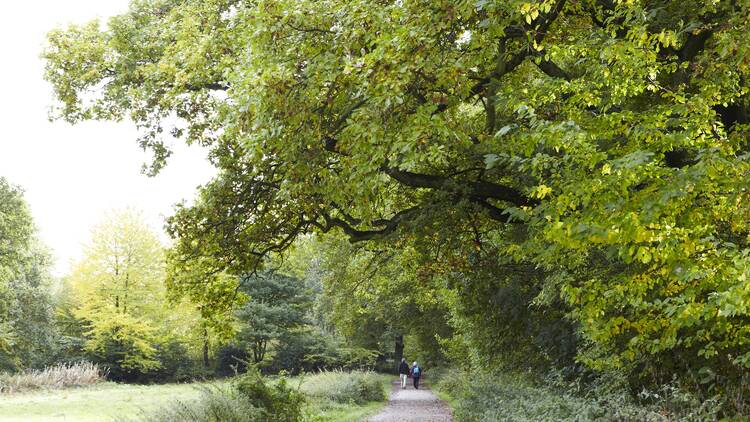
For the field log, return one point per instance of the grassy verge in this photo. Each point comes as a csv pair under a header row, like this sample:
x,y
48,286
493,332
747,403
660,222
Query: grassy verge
x,y
337,412
345,397
500,397
97,403
447,397
335,397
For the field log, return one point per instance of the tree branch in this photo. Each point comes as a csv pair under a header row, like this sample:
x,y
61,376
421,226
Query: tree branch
x,y
212,86
553,70
358,235
540,25
474,189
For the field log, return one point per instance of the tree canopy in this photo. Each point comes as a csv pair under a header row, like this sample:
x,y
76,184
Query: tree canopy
x,y
600,145
26,331
118,297
16,226
276,305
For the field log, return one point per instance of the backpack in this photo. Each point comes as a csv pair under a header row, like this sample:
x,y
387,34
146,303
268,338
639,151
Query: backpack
x,y
416,371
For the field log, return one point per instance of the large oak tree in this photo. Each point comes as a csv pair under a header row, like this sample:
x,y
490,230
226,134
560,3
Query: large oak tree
x,y
601,142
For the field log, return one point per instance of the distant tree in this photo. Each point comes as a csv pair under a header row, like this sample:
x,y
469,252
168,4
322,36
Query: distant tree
x,y
379,297
118,291
32,309
123,266
277,305
27,331
16,227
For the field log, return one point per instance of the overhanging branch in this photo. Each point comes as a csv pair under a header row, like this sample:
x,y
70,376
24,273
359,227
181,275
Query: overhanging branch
x,y
473,189
359,235
551,69
212,86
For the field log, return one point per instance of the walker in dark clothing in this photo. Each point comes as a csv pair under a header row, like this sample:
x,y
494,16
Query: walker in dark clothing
x,y
403,372
416,373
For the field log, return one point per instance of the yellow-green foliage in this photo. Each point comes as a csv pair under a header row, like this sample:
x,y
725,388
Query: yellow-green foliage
x,y
117,292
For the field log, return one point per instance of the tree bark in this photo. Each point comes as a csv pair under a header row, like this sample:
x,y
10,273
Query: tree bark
x,y
205,347
398,351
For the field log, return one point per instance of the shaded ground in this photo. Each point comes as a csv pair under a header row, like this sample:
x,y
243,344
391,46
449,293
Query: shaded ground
x,y
412,405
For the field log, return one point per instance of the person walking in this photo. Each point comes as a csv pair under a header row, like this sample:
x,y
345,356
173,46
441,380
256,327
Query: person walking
x,y
403,371
416,373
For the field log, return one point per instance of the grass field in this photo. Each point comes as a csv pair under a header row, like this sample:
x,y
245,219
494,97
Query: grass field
x,y
98,403
109,401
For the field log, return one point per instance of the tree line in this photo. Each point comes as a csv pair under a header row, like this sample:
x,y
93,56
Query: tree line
x,y
115,308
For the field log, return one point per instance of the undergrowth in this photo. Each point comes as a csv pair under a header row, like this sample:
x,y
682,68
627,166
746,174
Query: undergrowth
x,y
216,404
252,398
519,397
62,375
345,387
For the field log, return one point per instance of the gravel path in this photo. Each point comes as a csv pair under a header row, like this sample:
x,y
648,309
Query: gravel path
x,y
412,405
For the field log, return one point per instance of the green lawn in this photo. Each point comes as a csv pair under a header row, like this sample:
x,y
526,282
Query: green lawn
x,y
99,403
108,401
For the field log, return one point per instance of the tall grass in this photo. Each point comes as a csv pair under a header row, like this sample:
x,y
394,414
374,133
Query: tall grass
x,y
500,397
62,375
249,398
216,404
357,387
328,396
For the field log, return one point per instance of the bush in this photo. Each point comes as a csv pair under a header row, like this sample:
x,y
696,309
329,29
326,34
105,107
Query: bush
x,y
175,365
230,360
248,399
503,397
345,387
215,405
59,376
278,402
313,351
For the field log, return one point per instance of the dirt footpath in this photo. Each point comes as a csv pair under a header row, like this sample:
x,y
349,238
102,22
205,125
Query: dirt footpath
x,y
412,405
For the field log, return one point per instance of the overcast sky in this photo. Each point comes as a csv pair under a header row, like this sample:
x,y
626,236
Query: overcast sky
x,y
72,175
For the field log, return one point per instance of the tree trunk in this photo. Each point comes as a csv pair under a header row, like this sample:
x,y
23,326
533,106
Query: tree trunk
x,y
205,347
125,293
398,351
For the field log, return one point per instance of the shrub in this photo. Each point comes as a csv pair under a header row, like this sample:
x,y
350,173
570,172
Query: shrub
x,y
230,360
345,387
248,399
503,397
59,376
312,350
278,402
175,365
483,398
215,405
122,343
359,358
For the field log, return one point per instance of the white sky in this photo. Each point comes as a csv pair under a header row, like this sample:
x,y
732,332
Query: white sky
x,y
73,175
